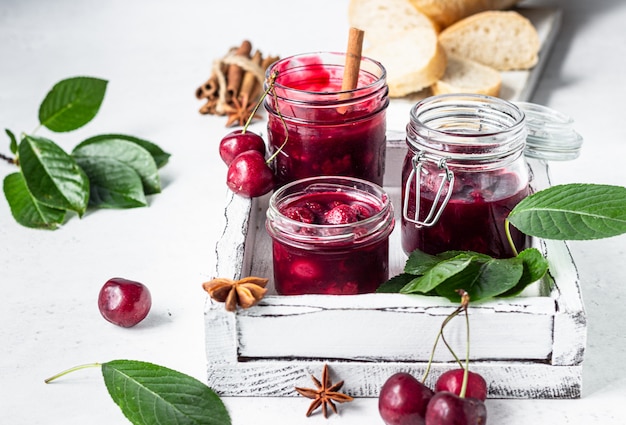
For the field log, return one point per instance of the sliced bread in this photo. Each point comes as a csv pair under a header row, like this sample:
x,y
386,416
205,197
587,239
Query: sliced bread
x,y
384,20
504,40
414,60
446,12
467,76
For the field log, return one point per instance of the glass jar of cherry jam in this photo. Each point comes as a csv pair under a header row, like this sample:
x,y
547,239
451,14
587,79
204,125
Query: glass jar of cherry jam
x,y
330,235
463,173
331,132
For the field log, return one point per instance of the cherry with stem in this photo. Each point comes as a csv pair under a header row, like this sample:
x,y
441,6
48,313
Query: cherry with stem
x,y
249,173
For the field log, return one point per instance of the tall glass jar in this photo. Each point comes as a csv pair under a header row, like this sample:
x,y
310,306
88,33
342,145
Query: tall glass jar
x,y
331,132
330,235
463,173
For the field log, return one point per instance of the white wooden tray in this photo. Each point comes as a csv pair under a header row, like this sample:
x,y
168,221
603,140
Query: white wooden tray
x,y
531,346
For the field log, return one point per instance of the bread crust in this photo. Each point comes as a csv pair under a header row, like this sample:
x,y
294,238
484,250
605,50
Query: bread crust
x,y
504,40
446,12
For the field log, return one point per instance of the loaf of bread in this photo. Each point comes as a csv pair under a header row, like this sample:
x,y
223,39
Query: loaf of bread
x,y
403,39
414,60
384,20
504,40
467,76
446,12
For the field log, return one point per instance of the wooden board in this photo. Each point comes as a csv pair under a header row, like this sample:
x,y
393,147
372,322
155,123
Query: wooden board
x,y
531,346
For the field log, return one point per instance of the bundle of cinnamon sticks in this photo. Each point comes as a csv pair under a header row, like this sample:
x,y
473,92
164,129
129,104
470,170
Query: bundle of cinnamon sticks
x,y
235,84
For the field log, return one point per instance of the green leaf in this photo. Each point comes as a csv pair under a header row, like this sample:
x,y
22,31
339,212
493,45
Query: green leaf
x,y
159,155
419,262
52,176
535,267
72,103
151,394
484,280
127,153
13,143
437,274
112,184
395,284
572,212
25,209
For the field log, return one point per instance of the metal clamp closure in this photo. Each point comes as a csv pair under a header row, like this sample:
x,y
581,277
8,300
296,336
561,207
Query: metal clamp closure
x,y
447,180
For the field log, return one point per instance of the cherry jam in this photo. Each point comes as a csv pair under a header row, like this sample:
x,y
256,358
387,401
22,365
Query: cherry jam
x,y
327,131
330,235
463,173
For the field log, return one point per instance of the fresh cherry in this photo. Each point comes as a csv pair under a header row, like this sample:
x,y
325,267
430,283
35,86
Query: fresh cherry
x,y
446,408
403,400
452,381
124,302
249,175
239,141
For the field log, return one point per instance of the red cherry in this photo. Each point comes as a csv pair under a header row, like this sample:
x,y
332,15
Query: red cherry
x,y
403,400
237,142
249,175
301,214
341,214
452,381
446,408
124,302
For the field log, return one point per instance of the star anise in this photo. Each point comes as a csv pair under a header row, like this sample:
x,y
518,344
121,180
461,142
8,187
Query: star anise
x,y
245,292
325,394
240,110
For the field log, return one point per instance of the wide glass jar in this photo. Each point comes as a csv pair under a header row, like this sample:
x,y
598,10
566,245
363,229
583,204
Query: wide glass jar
x,y
330,235
463,173
331,132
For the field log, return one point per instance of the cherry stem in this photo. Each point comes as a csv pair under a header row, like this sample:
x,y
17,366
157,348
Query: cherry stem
x,y
8,159
70,370
507,231
464,304
440,335
282,120
270,86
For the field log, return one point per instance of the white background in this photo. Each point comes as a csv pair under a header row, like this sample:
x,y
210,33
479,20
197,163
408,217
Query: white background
x,y
155,54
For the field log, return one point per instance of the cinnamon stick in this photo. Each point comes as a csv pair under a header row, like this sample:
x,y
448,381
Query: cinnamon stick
x,y
353,59
209,89
235,72
352,66
249,83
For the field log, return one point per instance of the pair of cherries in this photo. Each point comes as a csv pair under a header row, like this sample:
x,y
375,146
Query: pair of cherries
x,y
404,400
459,394
248,173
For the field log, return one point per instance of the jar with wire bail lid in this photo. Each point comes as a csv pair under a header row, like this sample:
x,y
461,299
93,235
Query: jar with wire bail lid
x,y
463,173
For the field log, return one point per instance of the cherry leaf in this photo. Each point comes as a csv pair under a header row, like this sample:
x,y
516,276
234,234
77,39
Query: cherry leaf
x,y
52,176
572,212
13,141
159,155
72,103
437,274
149,394
128,153
112,184
25,209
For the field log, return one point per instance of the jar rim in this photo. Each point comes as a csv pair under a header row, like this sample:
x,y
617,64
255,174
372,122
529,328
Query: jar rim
x,y
551,134
467,127
296,61
377,226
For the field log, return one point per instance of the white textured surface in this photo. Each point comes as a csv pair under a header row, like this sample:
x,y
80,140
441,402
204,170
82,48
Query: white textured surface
x,y
155,53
